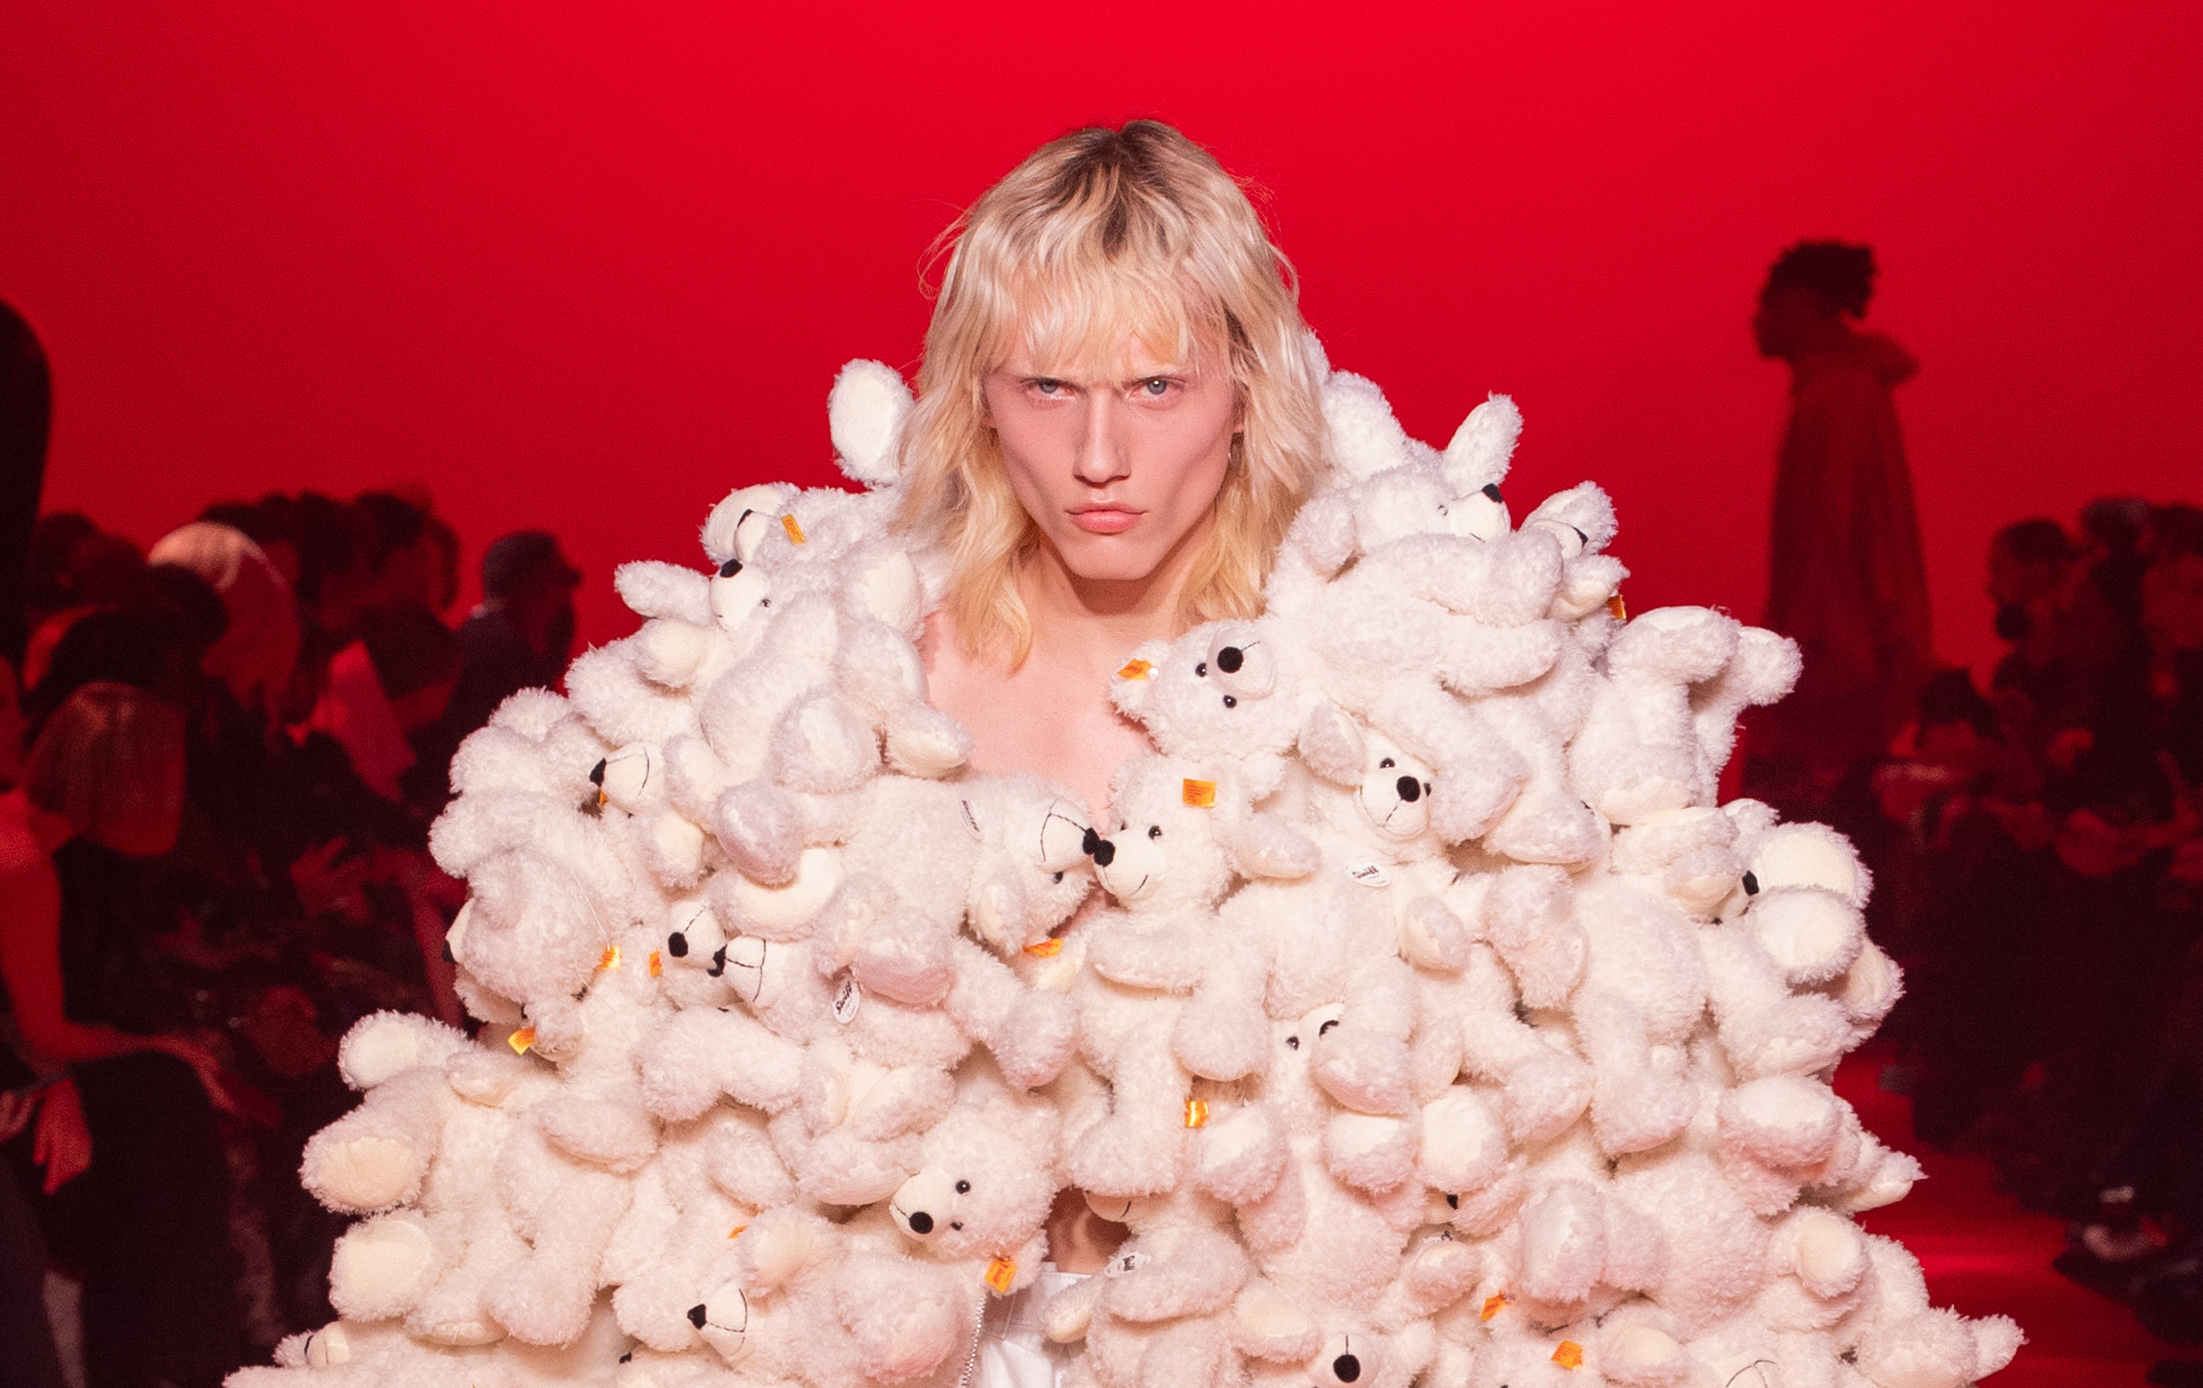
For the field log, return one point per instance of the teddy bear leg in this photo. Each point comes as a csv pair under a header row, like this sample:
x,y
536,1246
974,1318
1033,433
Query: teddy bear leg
x,y
1635,1106
905,957
1140,1148
546,1297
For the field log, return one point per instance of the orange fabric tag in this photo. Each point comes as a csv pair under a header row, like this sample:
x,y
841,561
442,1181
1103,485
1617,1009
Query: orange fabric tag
x,y
521,1040
795,532
1199,794
1046,949
1135,670
1618,608
1493,1305
610,959
601,801
657,965
736,1231
1001,1273
1569,1355
1197,1112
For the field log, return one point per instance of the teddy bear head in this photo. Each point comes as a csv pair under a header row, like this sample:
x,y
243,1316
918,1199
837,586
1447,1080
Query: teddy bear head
x,y
1033,868
1181,837
1803,892
987,1182
1219,691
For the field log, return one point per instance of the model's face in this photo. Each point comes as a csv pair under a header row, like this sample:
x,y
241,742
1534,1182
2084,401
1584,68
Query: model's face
x,y
1117,473
151,832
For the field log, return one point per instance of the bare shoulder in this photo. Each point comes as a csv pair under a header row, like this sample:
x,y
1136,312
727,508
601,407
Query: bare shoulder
x,y
22,862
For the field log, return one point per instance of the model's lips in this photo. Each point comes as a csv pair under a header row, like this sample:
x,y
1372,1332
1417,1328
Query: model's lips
x,y
1105,520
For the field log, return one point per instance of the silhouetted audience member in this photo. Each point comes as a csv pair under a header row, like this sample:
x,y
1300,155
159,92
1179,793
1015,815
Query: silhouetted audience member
x,y
520,637
147,1223
26,412
1848,580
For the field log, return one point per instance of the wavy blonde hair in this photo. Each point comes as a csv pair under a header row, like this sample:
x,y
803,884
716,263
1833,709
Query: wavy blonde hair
x,y
1100,236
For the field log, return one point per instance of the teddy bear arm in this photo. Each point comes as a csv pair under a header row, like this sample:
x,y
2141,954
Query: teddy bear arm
x,y
1031,1034
545,1297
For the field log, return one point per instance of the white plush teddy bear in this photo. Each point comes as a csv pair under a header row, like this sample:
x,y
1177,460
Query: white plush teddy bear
x,y
1170,992
1160,1314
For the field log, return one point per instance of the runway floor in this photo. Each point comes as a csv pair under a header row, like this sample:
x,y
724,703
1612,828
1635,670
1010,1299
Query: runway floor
x,y
1984,1254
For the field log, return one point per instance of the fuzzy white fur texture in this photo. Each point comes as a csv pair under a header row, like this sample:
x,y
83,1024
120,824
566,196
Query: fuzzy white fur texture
x,y
1438,1025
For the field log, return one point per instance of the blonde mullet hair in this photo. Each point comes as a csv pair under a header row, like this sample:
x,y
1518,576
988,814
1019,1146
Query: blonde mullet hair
x,y
1098,237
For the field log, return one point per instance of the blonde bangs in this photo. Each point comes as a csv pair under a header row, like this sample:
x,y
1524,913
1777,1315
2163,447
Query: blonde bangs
x,y
1097,239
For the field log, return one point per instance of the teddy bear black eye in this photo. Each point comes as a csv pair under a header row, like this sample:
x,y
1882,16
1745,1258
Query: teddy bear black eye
x,y
764,602
1201,670
596,773
1453,1202
1230,702
1385,763
1751,884
1292,1043
730,568
963,1187
1059,877
1325,1029
1154,831
1426,787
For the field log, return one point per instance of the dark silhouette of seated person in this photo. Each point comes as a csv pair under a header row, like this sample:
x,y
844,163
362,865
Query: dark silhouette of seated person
x,y
1847,579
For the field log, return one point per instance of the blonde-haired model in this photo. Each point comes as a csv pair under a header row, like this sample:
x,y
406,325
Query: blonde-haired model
x,y
1117,417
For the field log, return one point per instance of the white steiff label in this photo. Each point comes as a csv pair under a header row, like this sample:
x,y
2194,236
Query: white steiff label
x,y
1369,874
1124,1263
971,821
848,997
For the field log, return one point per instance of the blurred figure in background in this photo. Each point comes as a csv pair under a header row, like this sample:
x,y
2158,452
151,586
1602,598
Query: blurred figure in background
x,y
146,1221
26,411
1848,581
519,638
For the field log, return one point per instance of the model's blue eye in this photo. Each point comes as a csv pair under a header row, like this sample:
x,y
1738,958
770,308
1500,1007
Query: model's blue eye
x,y
1047,386
1156,385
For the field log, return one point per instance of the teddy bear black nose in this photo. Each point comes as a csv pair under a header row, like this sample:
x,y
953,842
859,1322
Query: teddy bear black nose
x,y
921,1223
696,1315
1101,850
1230,659
1346,1368
596,773
1411,790
730,568
1491,489
718,962
1751,884
676,945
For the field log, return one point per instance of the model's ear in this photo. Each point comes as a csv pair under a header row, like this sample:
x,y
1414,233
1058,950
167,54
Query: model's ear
x,y
864,414
1132,687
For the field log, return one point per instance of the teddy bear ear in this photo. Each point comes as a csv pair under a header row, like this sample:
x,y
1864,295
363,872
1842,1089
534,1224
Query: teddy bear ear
x,y
739,523
1331,745
864,413
1365,437
1481,448
1132,687
1583,511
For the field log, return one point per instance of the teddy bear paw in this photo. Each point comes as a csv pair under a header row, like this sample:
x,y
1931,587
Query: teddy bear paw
x,y
1119,1158
1037,1040
1641,1113
1544,1095
903,961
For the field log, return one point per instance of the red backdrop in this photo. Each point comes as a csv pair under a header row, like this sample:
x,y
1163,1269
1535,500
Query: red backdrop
x,y
586,266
